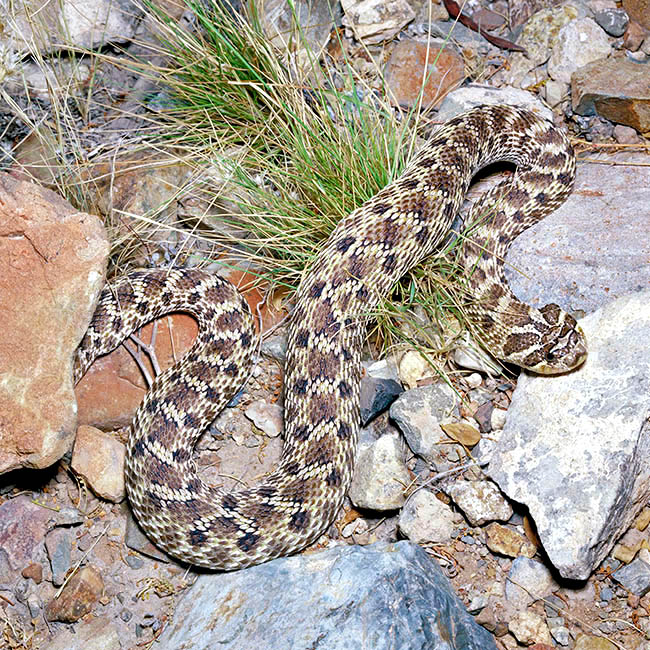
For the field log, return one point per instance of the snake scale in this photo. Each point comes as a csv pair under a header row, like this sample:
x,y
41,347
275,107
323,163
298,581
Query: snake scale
x,y
365,255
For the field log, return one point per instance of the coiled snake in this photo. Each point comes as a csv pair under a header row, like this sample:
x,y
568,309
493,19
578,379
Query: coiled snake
x,y
365,255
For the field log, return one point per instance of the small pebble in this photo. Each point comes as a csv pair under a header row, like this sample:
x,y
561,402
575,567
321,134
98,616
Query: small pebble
x,y
474,380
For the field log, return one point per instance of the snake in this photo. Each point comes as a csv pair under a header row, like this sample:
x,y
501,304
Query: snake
x,y
358,265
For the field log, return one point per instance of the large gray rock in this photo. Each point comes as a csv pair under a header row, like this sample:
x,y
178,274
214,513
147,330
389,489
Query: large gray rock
x,y
595,247
379,596
575,448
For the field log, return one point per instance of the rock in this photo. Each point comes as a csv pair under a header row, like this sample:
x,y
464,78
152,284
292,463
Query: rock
x,y
33,571
275,347
424,518
483,415
77,598
380,475
413,368
301,22
539,36
588,642
99,458
613,21
418,413
635,577
560,633
112,389
58,543
528,628
472,95
267,417
579,42
584,495
376,396
616,89
634,38
626,135
505,541
374,21
73,23
387,595
52,264
468,354
23,526
98,634
639,11
42,80
588,252
480,501
528,581
417,72
497,419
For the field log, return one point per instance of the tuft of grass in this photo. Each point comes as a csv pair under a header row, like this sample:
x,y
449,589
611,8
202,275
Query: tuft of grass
x,y
310,146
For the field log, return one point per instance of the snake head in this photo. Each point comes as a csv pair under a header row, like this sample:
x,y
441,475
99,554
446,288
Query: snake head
x,y
563,345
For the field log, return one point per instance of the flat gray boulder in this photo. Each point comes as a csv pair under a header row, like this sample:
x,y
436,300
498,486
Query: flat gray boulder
x,y
383,596
576,448
595,247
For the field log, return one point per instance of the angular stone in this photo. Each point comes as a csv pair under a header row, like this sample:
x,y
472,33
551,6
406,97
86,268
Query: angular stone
x,y
99,458
380,596
416,72
374,21
639,11
505,541
98,634
52,264
424,518
480,501
376,396
585,494
538,36
635,577
579,42
418,413
77,598
528,580
616,89
380,476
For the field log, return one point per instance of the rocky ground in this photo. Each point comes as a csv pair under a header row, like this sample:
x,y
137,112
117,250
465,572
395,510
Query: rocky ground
x,y
530,494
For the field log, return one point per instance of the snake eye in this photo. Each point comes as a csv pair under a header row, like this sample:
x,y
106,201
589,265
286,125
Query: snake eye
x,y
550,356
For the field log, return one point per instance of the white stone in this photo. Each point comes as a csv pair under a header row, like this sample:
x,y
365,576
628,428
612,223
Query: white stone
x,y
380,476
374,21
528,628
575,447
424,518
579,42
481,501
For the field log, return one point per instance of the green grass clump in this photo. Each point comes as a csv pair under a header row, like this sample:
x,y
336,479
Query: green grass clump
x,y
310,145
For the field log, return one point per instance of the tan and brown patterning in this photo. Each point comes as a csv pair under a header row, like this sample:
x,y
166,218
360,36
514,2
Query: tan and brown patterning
x,y
365,255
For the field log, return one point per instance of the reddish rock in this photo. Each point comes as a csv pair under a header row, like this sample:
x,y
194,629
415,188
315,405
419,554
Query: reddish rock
x,y
442,71
77,597
634,36
52,263
638,10
616,89
23,525
33,571
99,458
113,387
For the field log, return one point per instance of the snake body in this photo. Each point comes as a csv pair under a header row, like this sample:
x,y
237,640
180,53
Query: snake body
x,y
365,255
